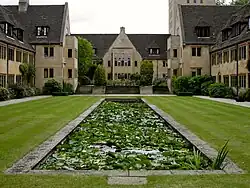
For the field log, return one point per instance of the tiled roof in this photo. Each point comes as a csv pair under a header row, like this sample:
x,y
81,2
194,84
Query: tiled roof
x,y
41,15
6,16
242,15
213,16
142,42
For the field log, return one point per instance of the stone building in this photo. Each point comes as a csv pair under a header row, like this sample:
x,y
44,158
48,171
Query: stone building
x,y
37,34
122,53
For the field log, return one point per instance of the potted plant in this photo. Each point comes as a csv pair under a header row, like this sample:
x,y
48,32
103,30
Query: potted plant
x,y
147,72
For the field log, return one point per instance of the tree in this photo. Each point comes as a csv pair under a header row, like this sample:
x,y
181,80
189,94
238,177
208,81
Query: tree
x,y
85,54
28,72
147,72
239,2
100,76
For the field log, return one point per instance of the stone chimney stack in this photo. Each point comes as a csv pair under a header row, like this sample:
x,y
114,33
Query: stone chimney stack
x,y
122,30
23,5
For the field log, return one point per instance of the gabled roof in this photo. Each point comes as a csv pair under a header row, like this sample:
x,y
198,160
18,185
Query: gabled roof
x,y
214,16
6,16
142,42
242,15
52,16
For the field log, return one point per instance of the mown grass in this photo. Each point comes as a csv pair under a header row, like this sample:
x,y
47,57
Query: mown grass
x,y
24,126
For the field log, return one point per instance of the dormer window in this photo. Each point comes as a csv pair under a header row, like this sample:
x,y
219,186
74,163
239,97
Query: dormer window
x,y
18,33
42,31
225,34
154,51
236,29
202,31
8,29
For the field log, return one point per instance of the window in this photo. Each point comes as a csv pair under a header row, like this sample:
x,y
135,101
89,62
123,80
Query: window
x,y
198,71
2,52
115,75
8,28
122,63
233,81
20,34
175,53
164,64
115,62
203,31
94,51
109,64
196,51
135,63
18,79
109,76
242,79
226,57
18,56
48,51
51,73
154,51
70,73
2,80
70,53
213,57
11,79
31,58
42,31
25,58
225,34
236,29
243,53
226,80
233,55
219,60
46,73
163,75
11,54
129,62
193,73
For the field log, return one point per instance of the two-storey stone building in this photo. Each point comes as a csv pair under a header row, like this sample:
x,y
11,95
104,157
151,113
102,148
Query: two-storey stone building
x,y
37,34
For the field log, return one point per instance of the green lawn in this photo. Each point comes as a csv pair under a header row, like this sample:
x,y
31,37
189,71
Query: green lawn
x,y
24,126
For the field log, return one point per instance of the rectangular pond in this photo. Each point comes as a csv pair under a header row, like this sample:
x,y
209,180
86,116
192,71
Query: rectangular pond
x,y
124,135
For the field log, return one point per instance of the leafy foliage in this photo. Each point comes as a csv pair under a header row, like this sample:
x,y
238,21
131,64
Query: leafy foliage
x,y
67,87
147,71
85,54
28,72
218,90
248,95
205,86
195,164
123,136
218,162
4,94
100,76
161,82
20,91
181,84
240,2
52,86
121,83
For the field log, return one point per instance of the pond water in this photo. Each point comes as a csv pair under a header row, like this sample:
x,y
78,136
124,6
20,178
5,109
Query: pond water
x,y
123,136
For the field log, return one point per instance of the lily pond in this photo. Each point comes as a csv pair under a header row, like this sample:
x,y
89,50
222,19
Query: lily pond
x,y
123,136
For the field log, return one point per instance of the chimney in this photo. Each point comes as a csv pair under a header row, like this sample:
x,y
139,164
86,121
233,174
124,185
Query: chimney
x,y
23,5
122,30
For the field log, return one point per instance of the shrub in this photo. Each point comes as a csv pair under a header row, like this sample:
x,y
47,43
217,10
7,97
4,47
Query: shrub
x,y
52,86
100,76
85,80
204,88
247,95
135,77
67,87
161,82
147,71
218,90
195,83
37,91
242,95
19,91
181,84
60,93
30,91
4,94
185,94
12,94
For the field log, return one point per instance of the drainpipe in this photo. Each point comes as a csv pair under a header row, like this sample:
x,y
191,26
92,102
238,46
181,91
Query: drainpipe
x,y
7,71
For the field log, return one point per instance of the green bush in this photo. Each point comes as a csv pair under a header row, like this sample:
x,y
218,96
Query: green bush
x,y
100,76
161,82
242,95
12,94
185,94
248,95
204,88
135,77
181,84
60,93
195,83
19,91
52,86
147,72
218,90
30,91
4,94
67,87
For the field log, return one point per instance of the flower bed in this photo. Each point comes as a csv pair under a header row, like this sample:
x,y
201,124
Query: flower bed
x,y
123,136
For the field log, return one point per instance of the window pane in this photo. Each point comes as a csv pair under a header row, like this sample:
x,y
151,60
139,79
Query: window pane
x,y
193,51
70,54
198,51
46,73
51,51
69,73
199,72
46,51
51,73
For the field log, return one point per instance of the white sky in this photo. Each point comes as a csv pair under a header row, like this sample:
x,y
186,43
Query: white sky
x,y
107,16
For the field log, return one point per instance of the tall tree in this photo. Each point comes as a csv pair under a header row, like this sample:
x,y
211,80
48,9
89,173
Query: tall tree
x,y
239,2
85,55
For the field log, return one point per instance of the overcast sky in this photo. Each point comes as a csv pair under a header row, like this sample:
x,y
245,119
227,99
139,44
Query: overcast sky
x,y
107,16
